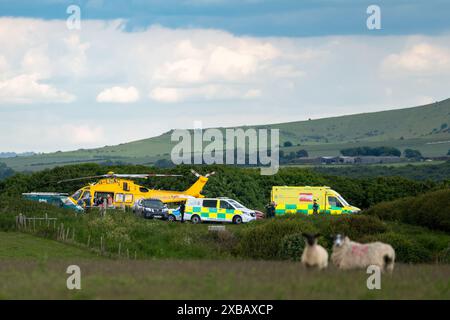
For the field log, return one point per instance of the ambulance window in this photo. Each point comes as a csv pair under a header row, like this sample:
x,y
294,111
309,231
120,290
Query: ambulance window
x,y
119,197
225,205
334,202
210,203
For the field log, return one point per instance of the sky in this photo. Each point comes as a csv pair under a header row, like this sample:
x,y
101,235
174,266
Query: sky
x,y
136,69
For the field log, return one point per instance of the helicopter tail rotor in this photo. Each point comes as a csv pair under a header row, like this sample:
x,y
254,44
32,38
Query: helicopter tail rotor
x,y
198,175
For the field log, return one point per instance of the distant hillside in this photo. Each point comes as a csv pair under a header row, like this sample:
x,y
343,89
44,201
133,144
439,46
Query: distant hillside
x,y
426,128
13,154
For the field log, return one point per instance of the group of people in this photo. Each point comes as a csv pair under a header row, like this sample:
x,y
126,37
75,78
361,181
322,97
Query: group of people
x,y
101,202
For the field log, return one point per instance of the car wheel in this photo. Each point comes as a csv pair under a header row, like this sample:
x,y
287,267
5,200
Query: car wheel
x,y
237,220
171,218
196,219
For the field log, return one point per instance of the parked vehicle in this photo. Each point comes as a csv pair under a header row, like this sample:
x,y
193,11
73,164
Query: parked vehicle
x,y
259,215
151,209
304,199
198,210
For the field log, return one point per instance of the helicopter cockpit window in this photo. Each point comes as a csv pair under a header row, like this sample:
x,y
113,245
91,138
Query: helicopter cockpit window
x,y
126,187
142,189
77,195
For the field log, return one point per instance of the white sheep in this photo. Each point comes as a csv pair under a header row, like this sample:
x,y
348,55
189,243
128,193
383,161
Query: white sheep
x,y
314,255
350,255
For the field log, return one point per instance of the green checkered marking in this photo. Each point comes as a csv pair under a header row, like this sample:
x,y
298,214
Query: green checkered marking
x,y
196,209
205,215
291,206
221,216
212,209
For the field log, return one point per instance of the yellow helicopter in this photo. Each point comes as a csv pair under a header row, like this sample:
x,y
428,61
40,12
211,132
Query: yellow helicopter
x,y
118,190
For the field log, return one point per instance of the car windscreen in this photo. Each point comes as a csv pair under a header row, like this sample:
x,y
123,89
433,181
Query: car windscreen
x,y
153,204
236,204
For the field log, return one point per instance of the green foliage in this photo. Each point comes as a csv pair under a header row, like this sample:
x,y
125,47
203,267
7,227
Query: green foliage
x,y
270,239
431,210
243,184
5,172
424,171
371,151
302,153
411,153
292,246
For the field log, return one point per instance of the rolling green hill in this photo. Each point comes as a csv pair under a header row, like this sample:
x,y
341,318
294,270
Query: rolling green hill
x,y
426,128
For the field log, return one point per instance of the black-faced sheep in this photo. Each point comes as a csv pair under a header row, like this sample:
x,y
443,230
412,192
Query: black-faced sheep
x,y
350,255
314,255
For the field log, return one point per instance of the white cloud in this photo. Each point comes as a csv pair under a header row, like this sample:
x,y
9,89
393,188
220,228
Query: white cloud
x,y
165,95
201,93
28,88
203,74
421,58
119,95
84,134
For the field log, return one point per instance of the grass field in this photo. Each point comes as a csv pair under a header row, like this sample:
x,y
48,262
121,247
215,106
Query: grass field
x,y
26,274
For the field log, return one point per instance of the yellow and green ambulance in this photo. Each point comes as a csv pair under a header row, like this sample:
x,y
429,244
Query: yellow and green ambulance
x,y
198,210
307,200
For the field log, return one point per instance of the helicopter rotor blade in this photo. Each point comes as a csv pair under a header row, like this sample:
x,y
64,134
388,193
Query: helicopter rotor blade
x,y
144,175
195,173
209,174
82,178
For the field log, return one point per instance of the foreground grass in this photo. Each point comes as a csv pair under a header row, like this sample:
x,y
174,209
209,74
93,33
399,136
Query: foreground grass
x,y
35,268
175,279
16,245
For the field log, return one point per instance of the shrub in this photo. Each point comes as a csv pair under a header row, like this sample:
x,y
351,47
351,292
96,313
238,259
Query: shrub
x,y
411,153
431,210
263,240
292,246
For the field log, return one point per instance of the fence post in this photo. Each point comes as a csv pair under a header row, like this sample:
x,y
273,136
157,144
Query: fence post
x,y
101,244
120,246
89,241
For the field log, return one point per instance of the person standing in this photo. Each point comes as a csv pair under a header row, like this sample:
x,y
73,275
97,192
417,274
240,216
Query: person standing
x,y
315,207
182,209
270,210
103,206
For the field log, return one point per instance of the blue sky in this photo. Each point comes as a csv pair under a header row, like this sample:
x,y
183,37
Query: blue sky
x,y
253,17
136,69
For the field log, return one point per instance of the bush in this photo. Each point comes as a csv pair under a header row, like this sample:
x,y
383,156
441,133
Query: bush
x,y
431,210
292,246
411,153
262,240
